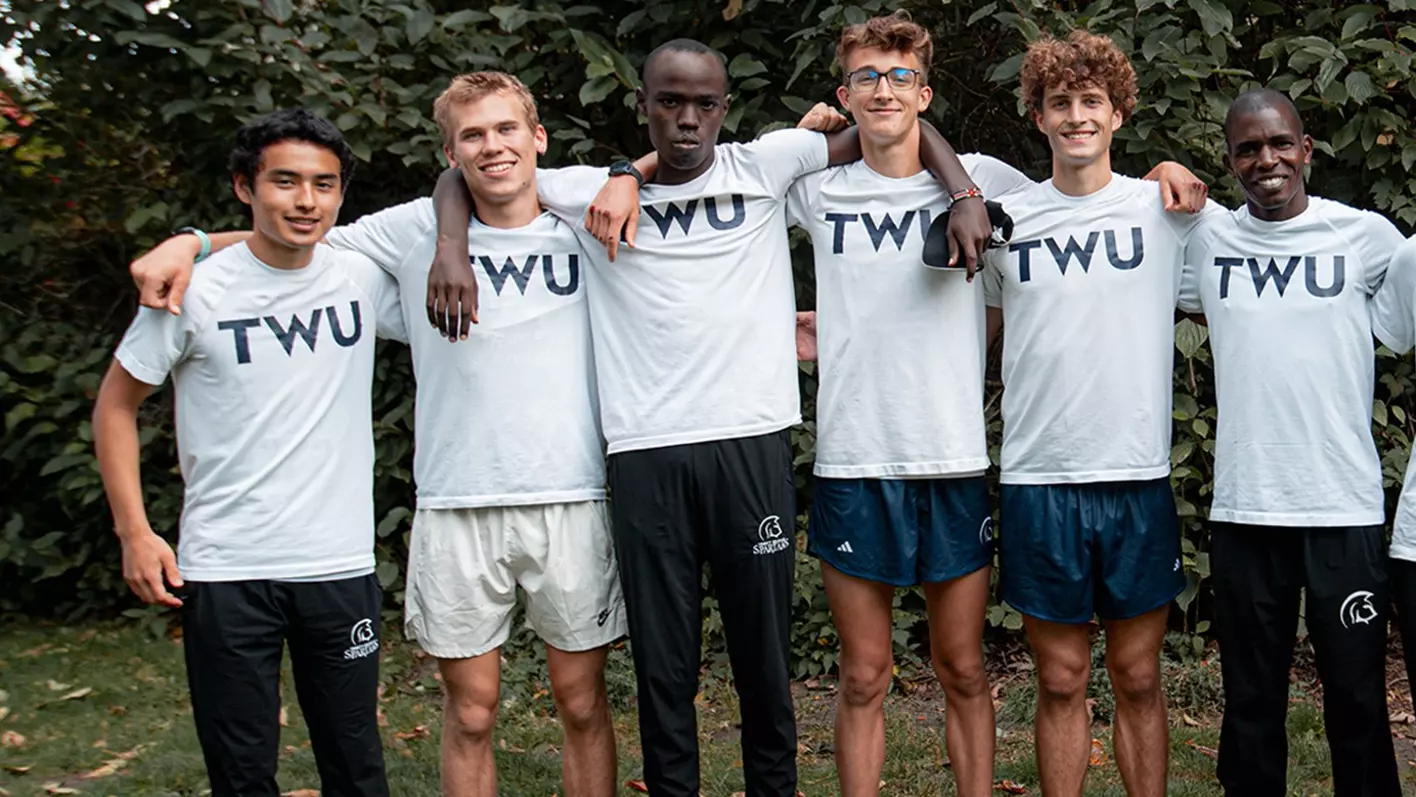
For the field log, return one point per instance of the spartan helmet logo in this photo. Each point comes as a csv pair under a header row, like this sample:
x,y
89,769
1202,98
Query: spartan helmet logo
x,y
1357,609
985,532
362,632
770,528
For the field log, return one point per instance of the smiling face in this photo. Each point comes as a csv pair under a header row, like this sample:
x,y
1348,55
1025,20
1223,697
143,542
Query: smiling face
x,y
685,98
296,194
886,113
1079,122
494,144
1267,153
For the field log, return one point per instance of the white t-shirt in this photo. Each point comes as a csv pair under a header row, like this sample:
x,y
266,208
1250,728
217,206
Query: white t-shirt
x,y
1286,303
900,346
1393,312
1088,288
694,327
273,371
508,416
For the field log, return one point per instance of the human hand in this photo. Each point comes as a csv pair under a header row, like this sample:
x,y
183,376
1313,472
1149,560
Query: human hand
x,y
147,559
452,291
163,274
614,213
823,119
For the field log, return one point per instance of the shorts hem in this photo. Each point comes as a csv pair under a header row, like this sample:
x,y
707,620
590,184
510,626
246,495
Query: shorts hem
x,y
955,575
456,651
613,635
1048,618
627,444
859,573
1134,615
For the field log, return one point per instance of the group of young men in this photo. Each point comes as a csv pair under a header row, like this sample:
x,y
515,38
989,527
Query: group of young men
x,y
548,344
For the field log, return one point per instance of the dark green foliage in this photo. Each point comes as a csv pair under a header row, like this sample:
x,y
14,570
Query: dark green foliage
x,y
122,136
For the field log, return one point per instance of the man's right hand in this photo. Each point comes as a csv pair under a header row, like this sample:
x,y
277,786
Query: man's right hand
x,y
163,274
147,559
452,291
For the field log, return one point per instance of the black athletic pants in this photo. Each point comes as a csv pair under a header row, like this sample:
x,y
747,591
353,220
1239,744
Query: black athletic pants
x,y
233,633
730,504
1258,574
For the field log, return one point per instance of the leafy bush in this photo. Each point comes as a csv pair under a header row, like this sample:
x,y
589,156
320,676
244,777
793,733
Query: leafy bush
x,y
123,132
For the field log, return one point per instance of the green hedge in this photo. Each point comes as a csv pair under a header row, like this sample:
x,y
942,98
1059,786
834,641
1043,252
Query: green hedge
x,y
123,132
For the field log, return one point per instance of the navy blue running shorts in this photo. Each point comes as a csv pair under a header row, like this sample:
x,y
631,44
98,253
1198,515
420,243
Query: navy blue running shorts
x,y
902,531
1067,552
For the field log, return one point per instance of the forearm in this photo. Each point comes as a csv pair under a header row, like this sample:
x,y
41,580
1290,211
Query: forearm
x,y
116,444
939,158
453,206
648,166
189,246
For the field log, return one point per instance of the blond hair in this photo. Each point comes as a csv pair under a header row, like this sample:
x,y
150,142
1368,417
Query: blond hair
x,y
469,88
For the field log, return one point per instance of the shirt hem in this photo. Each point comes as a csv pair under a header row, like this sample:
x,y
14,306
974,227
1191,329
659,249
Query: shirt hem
x,y
137,370
968,467
1403,552
1298,519
1389,340
511,499
1087,477
305,571
705,436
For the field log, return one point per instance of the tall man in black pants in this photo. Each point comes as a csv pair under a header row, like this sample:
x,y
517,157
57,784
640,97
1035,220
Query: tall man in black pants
x,y
693,339
1285,283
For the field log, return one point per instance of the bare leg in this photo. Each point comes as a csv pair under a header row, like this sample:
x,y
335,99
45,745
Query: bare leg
x,y
862,613
473,689
1142,734
589,767
956,616
1063,655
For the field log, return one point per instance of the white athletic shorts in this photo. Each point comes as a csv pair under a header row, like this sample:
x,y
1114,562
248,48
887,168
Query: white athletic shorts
x,y
464,566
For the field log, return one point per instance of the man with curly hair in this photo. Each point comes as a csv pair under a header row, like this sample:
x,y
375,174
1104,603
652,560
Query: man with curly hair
x,y
1088,526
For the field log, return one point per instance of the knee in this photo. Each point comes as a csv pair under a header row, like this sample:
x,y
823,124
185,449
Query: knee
x,y
1062,680
864,683
582,705
962,677
470,714
1134,680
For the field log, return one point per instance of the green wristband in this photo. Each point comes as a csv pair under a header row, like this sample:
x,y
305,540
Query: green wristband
x,y
202,239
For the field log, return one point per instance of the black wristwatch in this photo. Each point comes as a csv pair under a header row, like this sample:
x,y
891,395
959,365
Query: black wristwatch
x,y
625,167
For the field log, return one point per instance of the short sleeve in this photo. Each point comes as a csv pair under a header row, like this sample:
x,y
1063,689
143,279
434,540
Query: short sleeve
x,y
567,192
1378,240
154,344
993,177
782,156
1186,224
1393,308
1189,300
992,277
382,290
801,197
386,237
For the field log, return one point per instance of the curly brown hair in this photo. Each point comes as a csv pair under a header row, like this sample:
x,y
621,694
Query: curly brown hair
x,y
895,33
1082,59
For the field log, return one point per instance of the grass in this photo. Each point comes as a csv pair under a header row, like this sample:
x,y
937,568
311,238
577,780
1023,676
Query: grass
x,y
135,728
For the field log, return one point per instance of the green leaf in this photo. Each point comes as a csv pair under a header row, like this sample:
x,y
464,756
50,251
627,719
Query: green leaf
x,y
179,107
1215,18
1358,18
201,55
1190,337
1007,70
988,8
1379,413
420,26
393,520
278,10
387,573
20,413
160,40
1360,87
597,89
1181,451
744,65
134,11
261,93
510,17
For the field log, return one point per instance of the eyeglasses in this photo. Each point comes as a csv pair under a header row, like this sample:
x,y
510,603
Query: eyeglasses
x,y
899,78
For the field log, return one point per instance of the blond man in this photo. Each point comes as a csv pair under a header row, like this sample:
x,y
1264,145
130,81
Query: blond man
x,y
509,458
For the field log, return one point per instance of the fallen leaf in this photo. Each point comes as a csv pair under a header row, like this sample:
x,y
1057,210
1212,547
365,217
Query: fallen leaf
x,y
16,769
301,793
1098,753
422,732
55,686
1209,751
11,739
117,762
77,693
4,712
1189,720
1402,718
4,792
1010,787
637,785
284,717
34,652
58,788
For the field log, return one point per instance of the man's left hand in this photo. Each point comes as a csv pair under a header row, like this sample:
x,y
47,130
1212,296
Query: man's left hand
x,y
615,212
969,233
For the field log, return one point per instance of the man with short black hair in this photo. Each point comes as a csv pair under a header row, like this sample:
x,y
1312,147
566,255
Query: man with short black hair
x,y
273,362
1284,283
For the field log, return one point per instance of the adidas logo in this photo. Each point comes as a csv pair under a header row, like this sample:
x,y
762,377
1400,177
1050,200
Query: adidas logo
x,y
845,547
